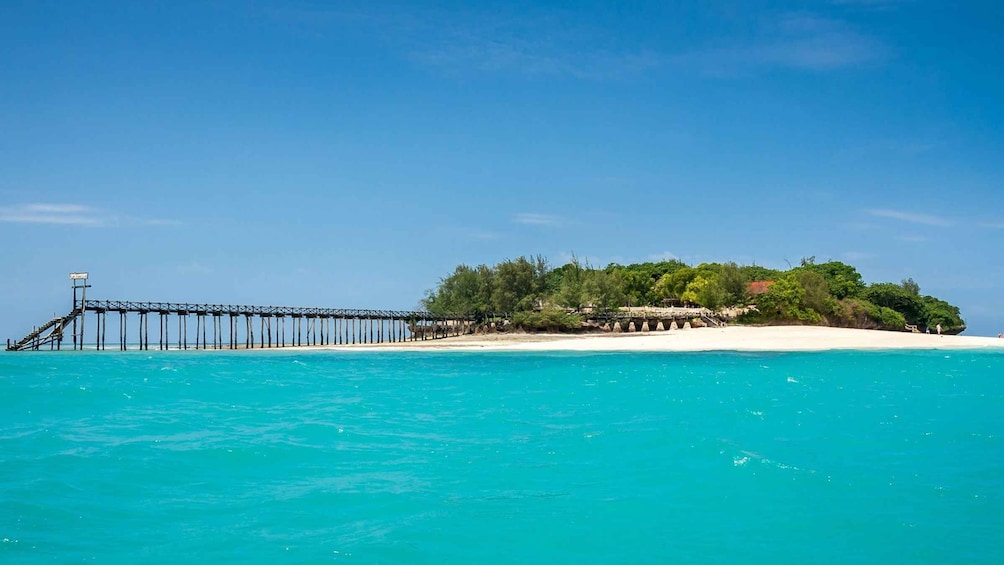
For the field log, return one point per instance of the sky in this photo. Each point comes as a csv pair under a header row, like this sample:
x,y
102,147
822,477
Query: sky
x,y
350,154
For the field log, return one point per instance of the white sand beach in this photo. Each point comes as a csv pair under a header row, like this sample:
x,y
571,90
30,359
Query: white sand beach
x,y
734,338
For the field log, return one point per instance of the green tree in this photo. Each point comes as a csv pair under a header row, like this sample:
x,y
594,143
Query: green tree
x,y
639,279
604,290
938,311
910,286
673,285
758,273
733,281
785,300
637,285
515,286
817,293
541,275
844,280
705,292
571,292
896,297
466,290
859,313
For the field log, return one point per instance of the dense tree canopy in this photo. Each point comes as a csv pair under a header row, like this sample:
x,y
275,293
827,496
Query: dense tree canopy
x,y
831,293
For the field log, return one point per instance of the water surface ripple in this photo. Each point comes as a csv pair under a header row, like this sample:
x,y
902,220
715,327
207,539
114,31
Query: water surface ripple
x,y
866,457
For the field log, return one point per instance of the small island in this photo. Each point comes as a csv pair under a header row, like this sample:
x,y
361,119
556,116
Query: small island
x,y
528,294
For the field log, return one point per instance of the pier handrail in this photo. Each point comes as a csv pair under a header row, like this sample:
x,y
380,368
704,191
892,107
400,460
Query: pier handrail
x,y
250,310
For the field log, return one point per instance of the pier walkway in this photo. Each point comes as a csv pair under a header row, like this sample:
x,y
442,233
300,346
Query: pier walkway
x,y
229,326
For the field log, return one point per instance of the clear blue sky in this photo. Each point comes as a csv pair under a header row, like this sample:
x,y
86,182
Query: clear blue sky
x,y
350,154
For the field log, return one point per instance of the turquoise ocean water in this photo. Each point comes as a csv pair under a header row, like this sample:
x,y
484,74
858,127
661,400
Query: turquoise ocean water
x,y
837,457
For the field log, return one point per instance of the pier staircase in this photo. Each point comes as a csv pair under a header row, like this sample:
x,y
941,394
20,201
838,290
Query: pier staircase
x,y
712,321
38,337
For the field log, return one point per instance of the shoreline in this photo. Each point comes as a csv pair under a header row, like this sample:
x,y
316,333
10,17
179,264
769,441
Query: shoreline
x,y
732,338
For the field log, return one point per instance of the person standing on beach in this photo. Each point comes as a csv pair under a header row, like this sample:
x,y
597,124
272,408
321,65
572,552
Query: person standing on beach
x,y
938,327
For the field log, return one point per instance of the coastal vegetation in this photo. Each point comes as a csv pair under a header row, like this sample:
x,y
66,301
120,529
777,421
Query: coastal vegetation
x,y
533,295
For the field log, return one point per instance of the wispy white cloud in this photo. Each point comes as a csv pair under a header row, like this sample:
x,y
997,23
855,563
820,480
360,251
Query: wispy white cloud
x,y
555,42
546,47
500,40
911,238
532,51
992,225
911,217
72,215
535,219
793,41
61,214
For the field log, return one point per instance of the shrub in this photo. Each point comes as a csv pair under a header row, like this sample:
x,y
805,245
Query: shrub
x,y
858,313
547,320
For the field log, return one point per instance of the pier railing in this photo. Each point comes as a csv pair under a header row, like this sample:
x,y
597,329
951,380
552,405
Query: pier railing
x,y
272,311
239,326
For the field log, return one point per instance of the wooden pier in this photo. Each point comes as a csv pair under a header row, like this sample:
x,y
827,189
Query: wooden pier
x,y
227,326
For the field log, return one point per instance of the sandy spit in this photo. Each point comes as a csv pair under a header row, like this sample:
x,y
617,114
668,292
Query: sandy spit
x,y
733,338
